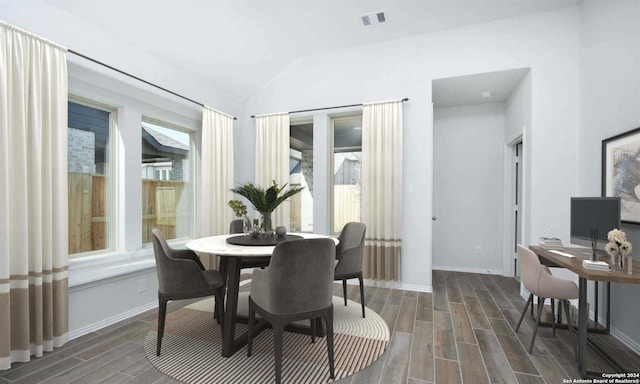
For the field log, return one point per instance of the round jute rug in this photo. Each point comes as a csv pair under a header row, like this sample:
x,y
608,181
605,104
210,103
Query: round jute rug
x,y
191,348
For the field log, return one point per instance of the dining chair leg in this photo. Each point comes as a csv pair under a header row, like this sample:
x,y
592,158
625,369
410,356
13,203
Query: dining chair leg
x,y
250,322
162,313
553,316
328,322
361,294
278,330
312,329
535,329
524,311
344,291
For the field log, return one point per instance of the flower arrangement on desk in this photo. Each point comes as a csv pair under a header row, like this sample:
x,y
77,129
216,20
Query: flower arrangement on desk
x,y
265,200
618,246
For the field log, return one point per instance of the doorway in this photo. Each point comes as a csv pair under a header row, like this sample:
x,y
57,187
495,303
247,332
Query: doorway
x,y
476,218
516,190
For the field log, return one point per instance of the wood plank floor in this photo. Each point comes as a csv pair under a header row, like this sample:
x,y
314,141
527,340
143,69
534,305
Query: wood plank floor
x,y
463,332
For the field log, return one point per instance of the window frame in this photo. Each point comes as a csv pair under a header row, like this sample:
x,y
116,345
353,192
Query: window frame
x,y
193,180
110,173
302,120
332,119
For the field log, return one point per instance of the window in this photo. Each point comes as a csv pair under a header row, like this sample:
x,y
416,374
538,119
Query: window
x,y
89,181
301,174
166,187
347,170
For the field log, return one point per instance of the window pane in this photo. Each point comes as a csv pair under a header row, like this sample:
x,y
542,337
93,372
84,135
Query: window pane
x,y
166,189
88,161
347,164
301,174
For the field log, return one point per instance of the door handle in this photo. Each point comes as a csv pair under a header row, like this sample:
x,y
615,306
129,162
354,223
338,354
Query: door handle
x,y
434,218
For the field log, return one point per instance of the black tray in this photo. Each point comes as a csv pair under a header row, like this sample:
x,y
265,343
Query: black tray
x,y
261,241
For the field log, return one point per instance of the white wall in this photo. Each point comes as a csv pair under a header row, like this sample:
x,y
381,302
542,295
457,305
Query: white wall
x,y
518,110
468,191
548,43
37,16
610,97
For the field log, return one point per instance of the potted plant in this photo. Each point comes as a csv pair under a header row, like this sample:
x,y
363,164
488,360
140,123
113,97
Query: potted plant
x,y
265,200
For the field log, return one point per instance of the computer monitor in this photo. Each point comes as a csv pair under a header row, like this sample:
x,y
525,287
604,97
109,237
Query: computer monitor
x,y
593,214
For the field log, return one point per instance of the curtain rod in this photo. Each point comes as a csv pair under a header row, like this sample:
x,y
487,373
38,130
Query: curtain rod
x,y
137,78
337,106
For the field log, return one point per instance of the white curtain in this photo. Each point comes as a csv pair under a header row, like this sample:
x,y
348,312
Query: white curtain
x,y
272,158
382,189
33,196
216,177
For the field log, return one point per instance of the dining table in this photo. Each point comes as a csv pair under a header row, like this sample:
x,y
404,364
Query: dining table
x,y
233,258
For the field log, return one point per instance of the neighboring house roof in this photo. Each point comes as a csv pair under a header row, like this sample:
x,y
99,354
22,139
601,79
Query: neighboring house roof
x,y
163,143
297,168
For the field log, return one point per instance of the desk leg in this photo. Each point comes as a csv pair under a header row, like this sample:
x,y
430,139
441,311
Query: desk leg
x,y
583,319
608,307
233,285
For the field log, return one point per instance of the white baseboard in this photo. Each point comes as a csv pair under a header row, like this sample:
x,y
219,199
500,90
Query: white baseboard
x,y
467,270
624,339
111,320
392,285
417,288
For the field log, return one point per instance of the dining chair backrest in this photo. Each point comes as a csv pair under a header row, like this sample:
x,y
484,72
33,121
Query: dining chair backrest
x,y
350,248
175,275
299,277
236,226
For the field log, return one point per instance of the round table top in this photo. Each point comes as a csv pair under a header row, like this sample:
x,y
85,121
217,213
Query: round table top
x,y
217,245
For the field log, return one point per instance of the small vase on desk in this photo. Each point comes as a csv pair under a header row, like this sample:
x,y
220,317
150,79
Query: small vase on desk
x,y
614,261
629,265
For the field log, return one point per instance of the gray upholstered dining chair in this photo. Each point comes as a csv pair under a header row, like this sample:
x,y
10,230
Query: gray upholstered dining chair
x,y
236,226
181,275
540,282
297,285
349,257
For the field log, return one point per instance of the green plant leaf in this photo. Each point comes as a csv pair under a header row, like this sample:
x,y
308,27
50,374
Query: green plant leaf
x,y
265,201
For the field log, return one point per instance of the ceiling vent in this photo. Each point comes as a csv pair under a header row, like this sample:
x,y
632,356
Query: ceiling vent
x,y
373,18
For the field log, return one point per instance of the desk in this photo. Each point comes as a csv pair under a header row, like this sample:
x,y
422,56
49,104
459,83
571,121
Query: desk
x,y
574,264
233,259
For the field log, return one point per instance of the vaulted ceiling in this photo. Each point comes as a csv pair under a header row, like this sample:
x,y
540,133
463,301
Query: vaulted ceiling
x,y
240,45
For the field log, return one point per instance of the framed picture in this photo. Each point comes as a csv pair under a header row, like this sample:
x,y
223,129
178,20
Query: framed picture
x,y
621,172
